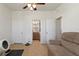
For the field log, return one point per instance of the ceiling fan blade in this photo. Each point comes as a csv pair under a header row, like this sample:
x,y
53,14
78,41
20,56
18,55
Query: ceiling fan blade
x,y
40,3
25,7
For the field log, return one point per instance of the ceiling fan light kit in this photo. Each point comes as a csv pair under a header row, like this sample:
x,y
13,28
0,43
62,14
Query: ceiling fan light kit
x,y
29,5
32,6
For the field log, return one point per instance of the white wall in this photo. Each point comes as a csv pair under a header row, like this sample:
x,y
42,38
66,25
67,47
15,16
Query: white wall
x,y
70,17
5,23
22,22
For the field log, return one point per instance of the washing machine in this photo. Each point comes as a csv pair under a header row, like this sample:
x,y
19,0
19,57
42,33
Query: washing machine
x,y
4,46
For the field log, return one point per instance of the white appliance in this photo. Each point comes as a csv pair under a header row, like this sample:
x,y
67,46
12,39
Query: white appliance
x,y
4,46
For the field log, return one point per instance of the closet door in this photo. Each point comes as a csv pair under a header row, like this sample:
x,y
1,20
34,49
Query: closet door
x,y
17,28
20,33
43,32
49,30
21,28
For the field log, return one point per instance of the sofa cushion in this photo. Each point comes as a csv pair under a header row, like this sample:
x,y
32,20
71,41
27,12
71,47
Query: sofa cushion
x,y
68,36
72,47
71,36
56,42
59,50
76,40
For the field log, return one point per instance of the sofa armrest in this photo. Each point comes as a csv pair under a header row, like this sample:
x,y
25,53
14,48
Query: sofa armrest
x,y
55,42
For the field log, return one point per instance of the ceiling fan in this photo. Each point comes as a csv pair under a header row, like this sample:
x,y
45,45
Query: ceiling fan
x,y
32,6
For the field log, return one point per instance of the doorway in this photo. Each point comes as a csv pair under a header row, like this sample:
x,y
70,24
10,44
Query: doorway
x,y
36,29
58,27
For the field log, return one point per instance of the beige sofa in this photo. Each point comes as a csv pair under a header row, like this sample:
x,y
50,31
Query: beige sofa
x,y
68,45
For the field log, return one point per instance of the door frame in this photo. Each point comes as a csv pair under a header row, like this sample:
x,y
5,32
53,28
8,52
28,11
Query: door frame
x,y
60,19
38,30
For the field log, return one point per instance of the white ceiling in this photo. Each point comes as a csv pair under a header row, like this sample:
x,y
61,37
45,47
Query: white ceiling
x,y
18,6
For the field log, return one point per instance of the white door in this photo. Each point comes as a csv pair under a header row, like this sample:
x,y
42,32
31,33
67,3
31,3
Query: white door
x,y
58,28
17,30
49,29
